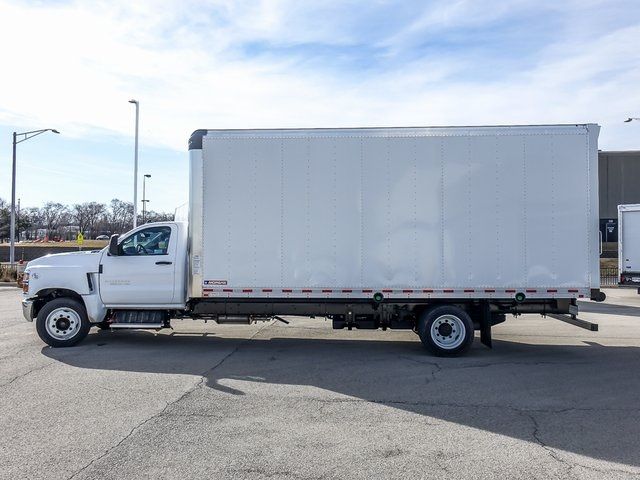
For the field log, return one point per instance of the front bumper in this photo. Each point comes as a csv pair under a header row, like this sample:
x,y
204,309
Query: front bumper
x,y
27,309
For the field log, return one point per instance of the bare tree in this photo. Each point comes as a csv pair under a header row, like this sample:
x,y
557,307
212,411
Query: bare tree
x,y
120,216
87,216
159,217
91,218
80,216
34,217
53,215
5,215
96,212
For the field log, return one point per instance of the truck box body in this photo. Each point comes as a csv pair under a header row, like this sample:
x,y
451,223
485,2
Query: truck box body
x,y
451,212
629,244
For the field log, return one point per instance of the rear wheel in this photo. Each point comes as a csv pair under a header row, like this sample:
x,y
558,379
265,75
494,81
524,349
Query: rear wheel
x,y
62,322
446,330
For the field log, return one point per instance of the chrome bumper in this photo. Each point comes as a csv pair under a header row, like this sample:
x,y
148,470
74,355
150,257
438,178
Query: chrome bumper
x,y
27,309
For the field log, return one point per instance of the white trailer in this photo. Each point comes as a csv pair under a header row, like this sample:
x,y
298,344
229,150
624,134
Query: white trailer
x,y
629,245
440,230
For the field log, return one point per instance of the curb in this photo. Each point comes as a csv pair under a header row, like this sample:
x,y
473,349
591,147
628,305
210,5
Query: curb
x,y
8,284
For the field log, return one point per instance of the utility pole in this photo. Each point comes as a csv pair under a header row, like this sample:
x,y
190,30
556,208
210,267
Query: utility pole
x,y
12,229
135,167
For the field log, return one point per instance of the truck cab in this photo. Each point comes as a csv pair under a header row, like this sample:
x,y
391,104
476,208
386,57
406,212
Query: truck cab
x,y
137,275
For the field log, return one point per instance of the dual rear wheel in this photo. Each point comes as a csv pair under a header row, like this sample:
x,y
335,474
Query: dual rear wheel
x,y
446,330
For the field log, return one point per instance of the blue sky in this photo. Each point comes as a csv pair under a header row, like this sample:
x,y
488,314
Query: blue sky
x,y
285,63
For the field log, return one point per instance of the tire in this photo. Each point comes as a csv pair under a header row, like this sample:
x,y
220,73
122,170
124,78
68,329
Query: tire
x,y
446,330
62,322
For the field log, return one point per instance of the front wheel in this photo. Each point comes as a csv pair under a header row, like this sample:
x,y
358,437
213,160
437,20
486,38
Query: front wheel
x,y
446,330
62,322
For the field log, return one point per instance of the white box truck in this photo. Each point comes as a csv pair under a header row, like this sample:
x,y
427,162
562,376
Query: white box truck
x,y
441,230
629,245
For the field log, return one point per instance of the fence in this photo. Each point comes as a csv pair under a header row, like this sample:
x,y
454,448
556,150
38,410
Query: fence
x,y
608,276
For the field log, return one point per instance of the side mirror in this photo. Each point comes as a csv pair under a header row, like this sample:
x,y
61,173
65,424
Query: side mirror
x,y
113,245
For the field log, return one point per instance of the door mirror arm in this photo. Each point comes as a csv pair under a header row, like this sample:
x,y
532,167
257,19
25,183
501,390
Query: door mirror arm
x,y
113,245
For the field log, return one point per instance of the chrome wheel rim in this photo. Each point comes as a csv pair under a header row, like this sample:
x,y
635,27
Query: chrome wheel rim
x,y
447,332
63,323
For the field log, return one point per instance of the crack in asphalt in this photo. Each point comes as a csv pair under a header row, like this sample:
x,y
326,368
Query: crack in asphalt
x,y
435,365
567,463
552,453
15,353
77,352
35,369
198,385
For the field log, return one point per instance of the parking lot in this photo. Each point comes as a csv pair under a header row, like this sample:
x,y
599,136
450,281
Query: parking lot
x,y
303,401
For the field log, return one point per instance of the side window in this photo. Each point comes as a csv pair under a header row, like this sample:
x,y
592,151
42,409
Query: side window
x,y
150,241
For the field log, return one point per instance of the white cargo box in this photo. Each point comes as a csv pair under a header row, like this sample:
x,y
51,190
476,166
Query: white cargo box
x,y
452,212
629,243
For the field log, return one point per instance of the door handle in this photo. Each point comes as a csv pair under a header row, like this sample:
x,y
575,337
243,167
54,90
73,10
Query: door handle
x,y
164,263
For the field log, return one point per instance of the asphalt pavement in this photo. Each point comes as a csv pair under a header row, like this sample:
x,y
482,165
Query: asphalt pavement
x,y
302,401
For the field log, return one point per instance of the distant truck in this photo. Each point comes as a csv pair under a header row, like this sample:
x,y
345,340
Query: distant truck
x,y
629,245
440,230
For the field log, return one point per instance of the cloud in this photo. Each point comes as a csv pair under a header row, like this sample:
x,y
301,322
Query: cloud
x,y
284,63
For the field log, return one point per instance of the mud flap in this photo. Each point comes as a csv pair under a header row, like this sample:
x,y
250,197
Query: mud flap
x,y
485,325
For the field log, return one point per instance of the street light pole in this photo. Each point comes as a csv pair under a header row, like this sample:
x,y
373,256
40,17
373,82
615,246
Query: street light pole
x,y
144,198
12,232
135,167
12,229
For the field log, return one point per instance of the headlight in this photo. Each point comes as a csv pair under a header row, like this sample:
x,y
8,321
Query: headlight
x,y
25,282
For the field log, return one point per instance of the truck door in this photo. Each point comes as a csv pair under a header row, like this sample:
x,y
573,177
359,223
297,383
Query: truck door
x,y
143,273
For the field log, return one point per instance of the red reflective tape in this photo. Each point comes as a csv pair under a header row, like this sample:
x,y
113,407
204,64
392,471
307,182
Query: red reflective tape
x,y
227,289
367,291
447,291
247,290
573,290
427,290
327,290
581,296
207,289
267,290
531,290
469,290
387,291
408,290
489,290
287,290
551,290
346,290
510,291
306,290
